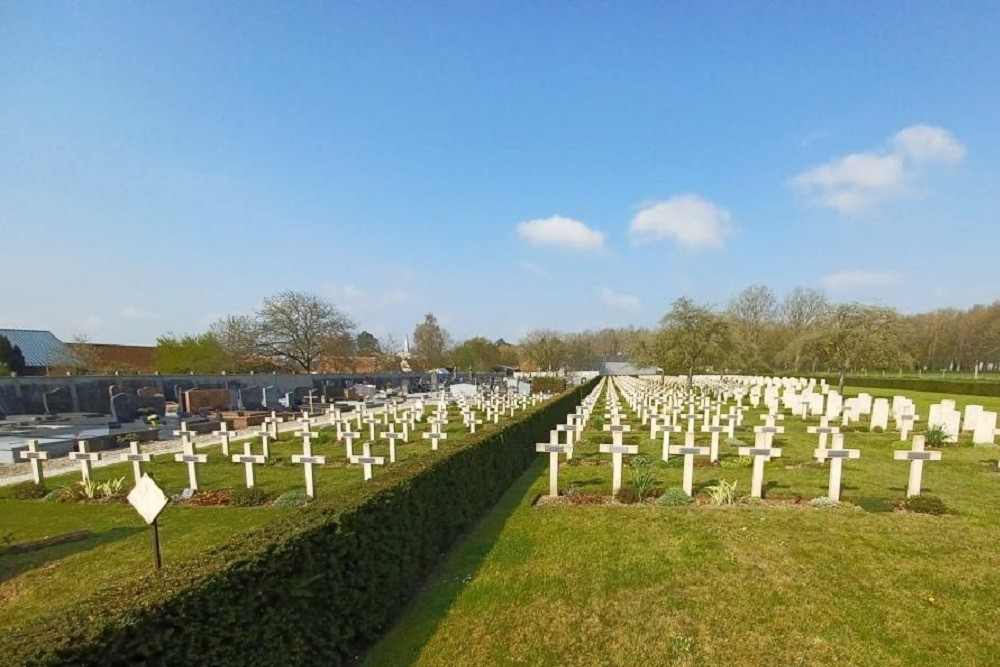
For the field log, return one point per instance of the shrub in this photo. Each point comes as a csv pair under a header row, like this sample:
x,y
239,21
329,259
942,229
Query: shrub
x,y
323,581
675,497
290,499
642,476
112,488
823,501
252,497
723,493
627,495
737,462
936,436
925,503
54,496
29,491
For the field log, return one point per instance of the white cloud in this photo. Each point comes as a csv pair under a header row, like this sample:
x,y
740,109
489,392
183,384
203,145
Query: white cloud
x,y
136,315
859,278
926,143
355,300
561,232
690,220
858,181
532,269
618,301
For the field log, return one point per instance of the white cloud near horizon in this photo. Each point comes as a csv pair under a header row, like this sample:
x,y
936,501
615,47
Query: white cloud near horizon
x,y
860,278
136,315
612,299
856,182
689,220
561,232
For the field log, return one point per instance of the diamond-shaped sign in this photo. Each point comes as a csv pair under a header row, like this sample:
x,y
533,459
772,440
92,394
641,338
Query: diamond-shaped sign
x,y
147,498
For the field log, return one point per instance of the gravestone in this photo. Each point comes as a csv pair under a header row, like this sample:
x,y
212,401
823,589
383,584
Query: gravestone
x,y
986,429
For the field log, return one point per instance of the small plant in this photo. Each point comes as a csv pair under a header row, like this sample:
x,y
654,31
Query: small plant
x,y
736,462
735,442
936,436
290,499
29,491
925,503
823,501
572,490
113,487
642,476
675,497
627,495
88,489
55,496
723,493
252,497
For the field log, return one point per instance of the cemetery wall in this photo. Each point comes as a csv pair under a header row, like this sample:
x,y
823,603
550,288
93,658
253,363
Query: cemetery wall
x,y
317,587
89,393
942,385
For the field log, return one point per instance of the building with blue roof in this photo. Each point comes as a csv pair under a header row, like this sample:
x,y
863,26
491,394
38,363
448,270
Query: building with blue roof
x,y
41,349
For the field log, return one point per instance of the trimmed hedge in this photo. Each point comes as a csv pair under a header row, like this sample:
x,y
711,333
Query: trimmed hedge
x,y
545,384
315,587
942,385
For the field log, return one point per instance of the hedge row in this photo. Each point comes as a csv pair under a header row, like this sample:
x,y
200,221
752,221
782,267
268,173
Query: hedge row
x,y
315,587
940,385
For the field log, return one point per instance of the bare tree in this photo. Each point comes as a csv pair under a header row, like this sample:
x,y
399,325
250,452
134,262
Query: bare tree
x,y
299,327
800,312
239,336
546,350
754,311
431,342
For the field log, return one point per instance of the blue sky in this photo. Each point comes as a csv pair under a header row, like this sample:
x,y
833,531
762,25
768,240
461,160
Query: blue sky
x,y
505,166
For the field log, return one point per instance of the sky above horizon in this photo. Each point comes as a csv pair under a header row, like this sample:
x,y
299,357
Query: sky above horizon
x,y
505,166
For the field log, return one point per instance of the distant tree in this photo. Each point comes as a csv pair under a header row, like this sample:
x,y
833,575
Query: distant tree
x,y
431,342
545,350
853,336
690,336
200,353
753,313
11,357
476,354
801,311
300,328
239,337
367,345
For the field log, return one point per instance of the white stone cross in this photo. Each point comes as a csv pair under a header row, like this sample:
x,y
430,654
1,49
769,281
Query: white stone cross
x,y
689,451
667,429
434,436
306,435
224,433
137,458
189,457
824,430
367,460
905,422
715,430
760,454
554,450
836,454
265,437
372,422
769,432
34,459
617,450
471,420
248,460
349,437
391,435
307,460
85,458
916,456
271,424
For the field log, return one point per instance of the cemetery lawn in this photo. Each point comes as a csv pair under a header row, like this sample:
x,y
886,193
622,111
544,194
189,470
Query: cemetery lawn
x,y
779,584
58,577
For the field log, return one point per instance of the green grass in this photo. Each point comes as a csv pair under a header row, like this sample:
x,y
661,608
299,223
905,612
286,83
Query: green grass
x,y
743,585
54,578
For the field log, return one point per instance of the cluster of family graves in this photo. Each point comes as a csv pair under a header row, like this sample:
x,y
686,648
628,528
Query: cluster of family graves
x,y
744,417
361,437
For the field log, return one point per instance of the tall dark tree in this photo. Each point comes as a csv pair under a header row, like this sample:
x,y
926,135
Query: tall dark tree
x,y
11,356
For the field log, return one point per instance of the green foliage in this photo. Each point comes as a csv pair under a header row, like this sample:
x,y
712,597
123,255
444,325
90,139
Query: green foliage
x,y
252,497
11,357
823,501
690,337
675,497
642,476
936,436
736,462
318,584
722,493
925,503
112,488
29,491
628,495
290,499
198,354
935,385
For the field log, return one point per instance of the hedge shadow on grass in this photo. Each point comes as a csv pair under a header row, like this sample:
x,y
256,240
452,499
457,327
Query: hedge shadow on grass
x,y
13,565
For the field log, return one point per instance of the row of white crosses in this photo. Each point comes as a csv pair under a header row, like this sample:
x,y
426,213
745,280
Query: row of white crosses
x,y
574,425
